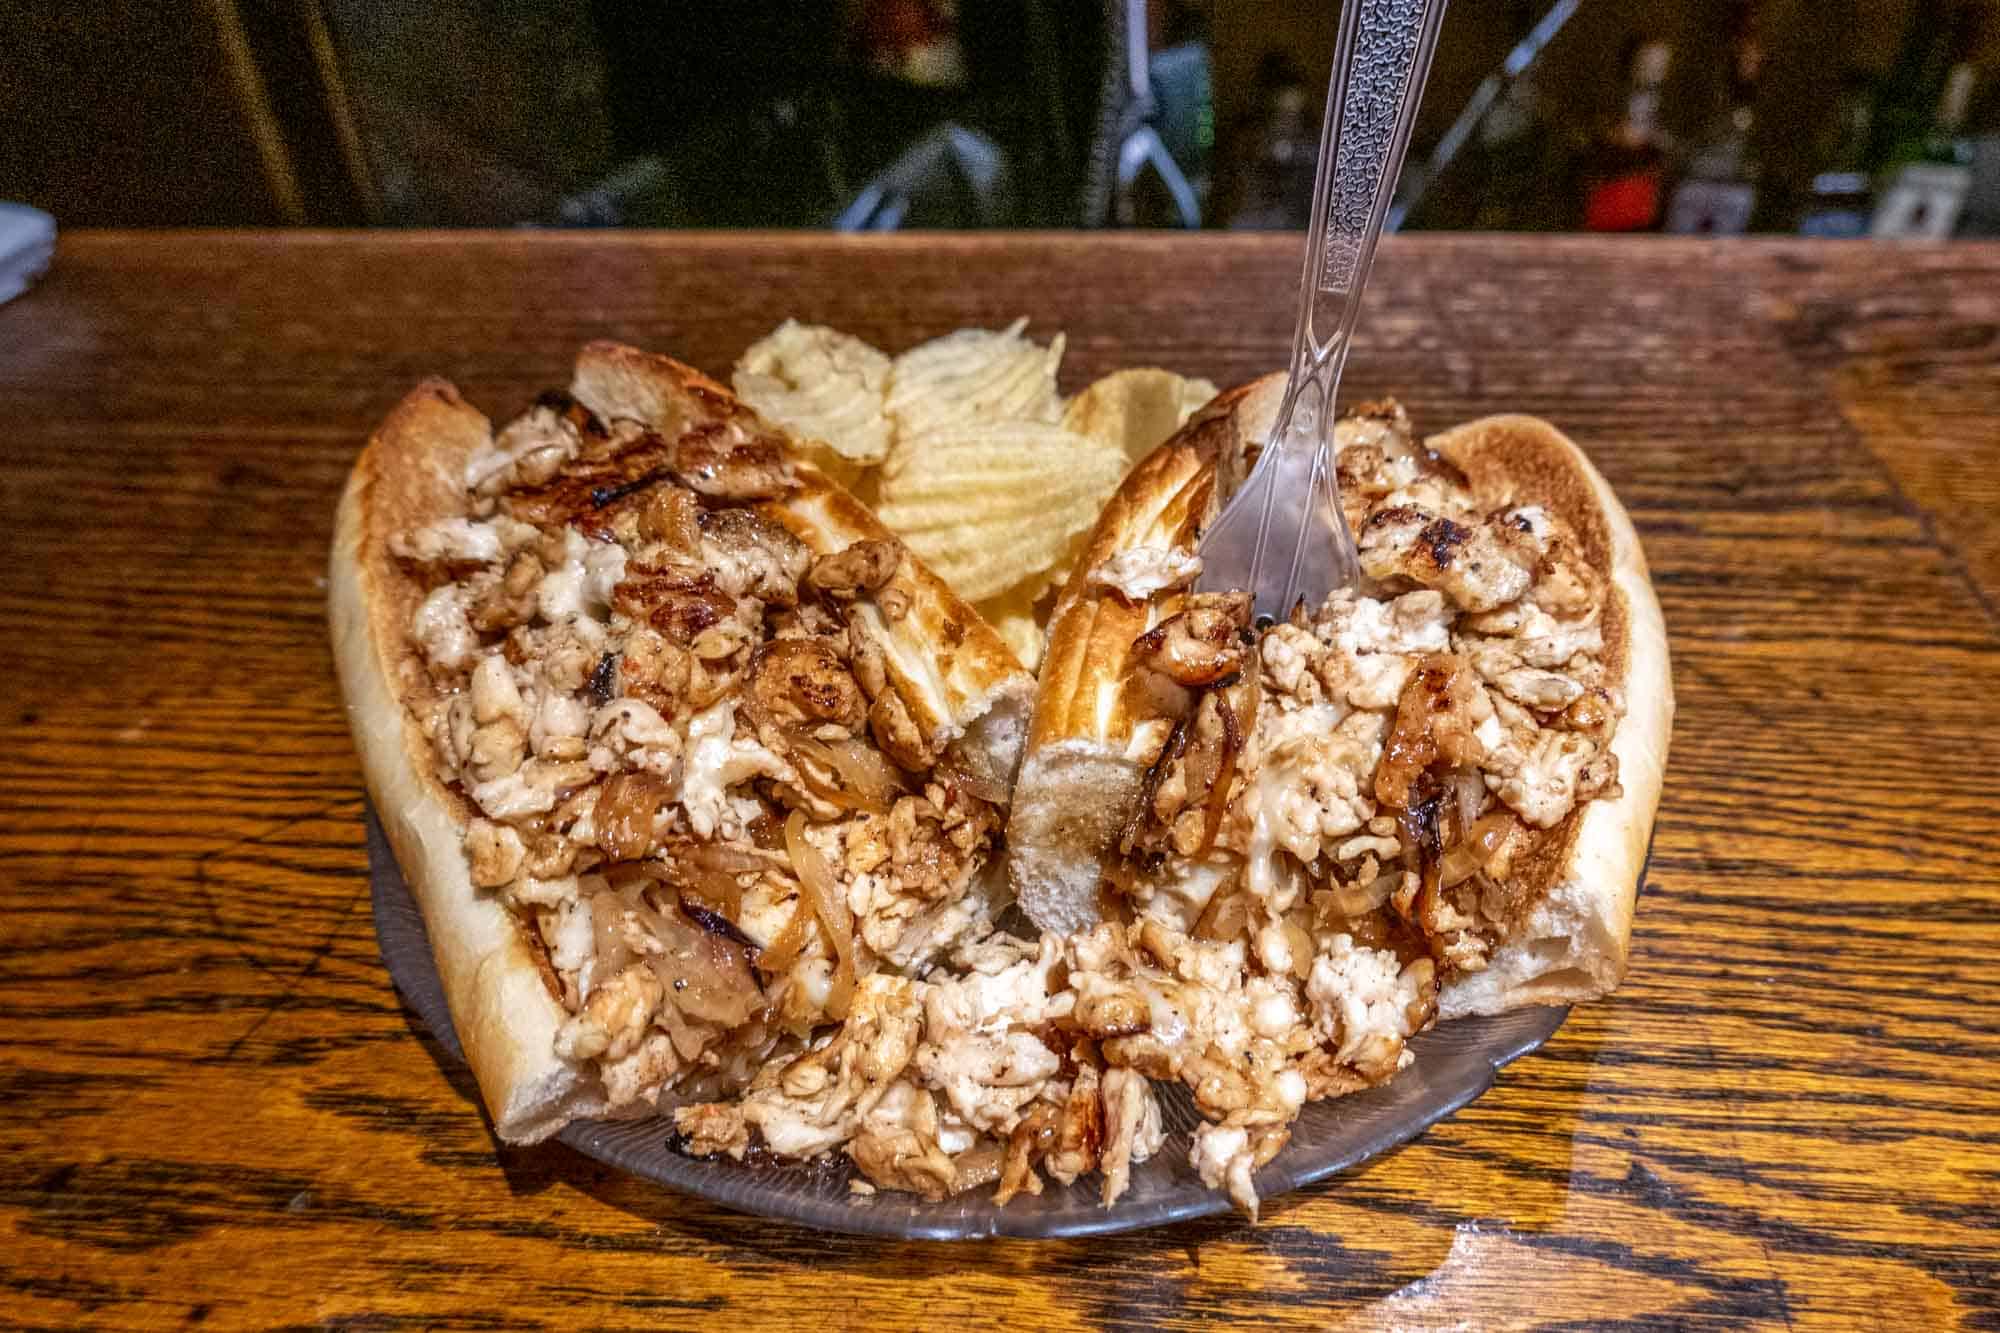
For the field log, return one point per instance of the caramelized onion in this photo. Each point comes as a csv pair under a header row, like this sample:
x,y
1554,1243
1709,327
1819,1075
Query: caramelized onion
x,y
710,982
714,872
1433,723
958,772
608,943
859,776
1357,899
706,976
1225,917
1470,856
716,924
626,808
722,856
827,788
1253,700
712,889
868,769
1167,698
1030,1142
767,833
708,871
978,1165
624,874
1470,789
687,1042
783,951
1142,809
1301,945
1225,773
823,891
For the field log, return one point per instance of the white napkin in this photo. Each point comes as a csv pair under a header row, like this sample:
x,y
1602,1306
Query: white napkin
x,y
27,242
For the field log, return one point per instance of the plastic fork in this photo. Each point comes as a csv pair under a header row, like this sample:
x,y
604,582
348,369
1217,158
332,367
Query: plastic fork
x,y
1283,537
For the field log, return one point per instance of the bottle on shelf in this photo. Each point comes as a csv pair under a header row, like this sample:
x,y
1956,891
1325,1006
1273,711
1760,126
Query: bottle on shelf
x,y
1982,203
1908,100
1718,193
1624,166
1839,196
1928,174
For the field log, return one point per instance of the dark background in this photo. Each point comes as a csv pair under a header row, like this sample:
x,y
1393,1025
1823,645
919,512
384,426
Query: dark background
x,y
706,112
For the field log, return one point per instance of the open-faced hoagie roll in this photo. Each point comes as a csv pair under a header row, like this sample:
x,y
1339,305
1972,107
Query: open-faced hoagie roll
x,y
623,677
1465,753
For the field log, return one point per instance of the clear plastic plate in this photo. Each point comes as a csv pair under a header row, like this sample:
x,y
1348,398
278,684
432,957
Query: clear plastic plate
x,y
1455,1063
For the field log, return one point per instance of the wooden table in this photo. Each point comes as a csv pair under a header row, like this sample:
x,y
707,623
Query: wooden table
x,y
214,1108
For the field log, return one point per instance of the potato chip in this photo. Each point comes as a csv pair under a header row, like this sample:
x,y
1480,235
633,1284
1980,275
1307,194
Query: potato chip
x,y
974,375
1021,614
1056,577
1136,410
987,506
827,387
1018,629
1196,393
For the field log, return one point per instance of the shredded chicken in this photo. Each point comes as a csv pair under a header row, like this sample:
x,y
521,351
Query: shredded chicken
x,y
862,568
980,1049
1405,742
1480,566
766,893
722,462
1133,1129
1203,643
624,652
751,556
527,453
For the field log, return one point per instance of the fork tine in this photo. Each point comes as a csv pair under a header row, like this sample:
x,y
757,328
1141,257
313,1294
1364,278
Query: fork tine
x,y
1303,537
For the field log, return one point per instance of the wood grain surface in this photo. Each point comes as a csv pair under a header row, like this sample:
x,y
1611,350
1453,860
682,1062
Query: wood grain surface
x,y
214,1110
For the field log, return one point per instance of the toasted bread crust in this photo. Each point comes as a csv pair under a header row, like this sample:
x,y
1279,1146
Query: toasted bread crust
x,y
1078,778
954,673
1169,499
951,668
504,1012
1584,873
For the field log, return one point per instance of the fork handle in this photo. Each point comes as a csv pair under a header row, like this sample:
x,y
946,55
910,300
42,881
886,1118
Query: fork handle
x,y
1379,67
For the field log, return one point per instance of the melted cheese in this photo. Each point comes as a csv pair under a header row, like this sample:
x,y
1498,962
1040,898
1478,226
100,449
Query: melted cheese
x,y
1142,572
716,760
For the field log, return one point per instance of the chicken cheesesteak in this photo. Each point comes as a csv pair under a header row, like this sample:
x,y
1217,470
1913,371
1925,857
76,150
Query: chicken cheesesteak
x,y
1279,853
706,784
676,744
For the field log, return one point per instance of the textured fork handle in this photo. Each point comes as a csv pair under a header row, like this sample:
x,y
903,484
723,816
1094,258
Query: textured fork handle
x,y
1378,79
1371,102
1379,67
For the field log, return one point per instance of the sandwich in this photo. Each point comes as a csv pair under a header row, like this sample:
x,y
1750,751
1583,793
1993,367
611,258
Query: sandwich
x,y
1278,852
715,795
678,747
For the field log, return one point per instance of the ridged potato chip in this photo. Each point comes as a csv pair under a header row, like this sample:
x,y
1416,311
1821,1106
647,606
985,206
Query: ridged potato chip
x,y
1136,410
857,479
1021,614
1019,630
966,449
828,388
988,506
971,376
